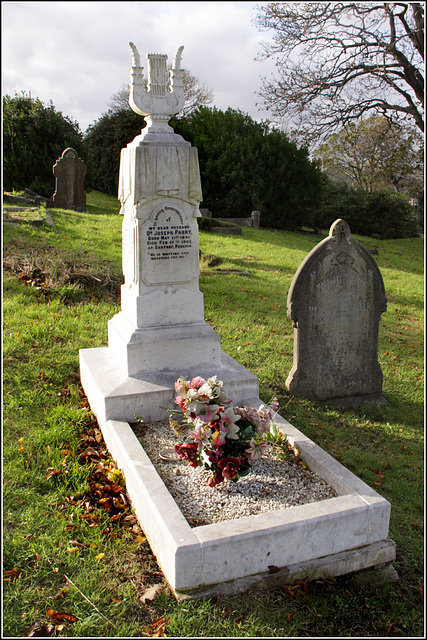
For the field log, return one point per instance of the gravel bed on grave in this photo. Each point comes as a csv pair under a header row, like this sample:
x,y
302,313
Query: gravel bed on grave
x,y
271,484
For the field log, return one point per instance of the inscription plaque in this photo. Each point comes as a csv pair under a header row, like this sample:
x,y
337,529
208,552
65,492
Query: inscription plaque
x,y
168,247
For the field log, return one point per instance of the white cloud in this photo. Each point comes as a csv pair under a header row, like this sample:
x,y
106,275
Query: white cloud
x,y
76,53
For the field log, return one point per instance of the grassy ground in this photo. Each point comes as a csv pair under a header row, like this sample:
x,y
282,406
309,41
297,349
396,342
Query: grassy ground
x,y
75,561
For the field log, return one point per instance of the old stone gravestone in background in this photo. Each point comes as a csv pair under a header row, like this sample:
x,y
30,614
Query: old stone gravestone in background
x,y
160,332
335,302
69,171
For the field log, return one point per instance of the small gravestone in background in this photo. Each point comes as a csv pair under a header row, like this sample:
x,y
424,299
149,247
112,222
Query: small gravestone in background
x,y
69,171
335,303
256,217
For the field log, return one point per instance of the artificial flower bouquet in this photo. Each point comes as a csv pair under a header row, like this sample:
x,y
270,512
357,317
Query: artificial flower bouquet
x,y
221,437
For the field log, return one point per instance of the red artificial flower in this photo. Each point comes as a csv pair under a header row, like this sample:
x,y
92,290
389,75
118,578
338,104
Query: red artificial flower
x,y
229,467
187,451
215,479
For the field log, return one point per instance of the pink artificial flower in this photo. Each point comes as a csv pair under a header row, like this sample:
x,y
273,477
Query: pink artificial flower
x,y
260,419
228,418
200,433
207,412
256,449
180,401
197,382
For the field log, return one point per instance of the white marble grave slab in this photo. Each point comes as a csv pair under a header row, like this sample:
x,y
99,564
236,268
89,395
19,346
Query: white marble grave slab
x,y
321,539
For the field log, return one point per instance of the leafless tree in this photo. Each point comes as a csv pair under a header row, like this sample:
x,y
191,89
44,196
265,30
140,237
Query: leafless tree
x,y
196,94
339,61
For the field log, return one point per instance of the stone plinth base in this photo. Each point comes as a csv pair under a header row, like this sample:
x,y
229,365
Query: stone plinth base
x,y
377,399
113,395
338,564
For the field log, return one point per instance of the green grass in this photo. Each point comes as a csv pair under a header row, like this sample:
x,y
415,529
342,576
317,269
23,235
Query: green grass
x,y
63,550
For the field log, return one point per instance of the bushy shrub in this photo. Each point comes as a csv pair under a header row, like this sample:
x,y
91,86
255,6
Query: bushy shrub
x,y
104,141
390,215
34,137
245,166
382,213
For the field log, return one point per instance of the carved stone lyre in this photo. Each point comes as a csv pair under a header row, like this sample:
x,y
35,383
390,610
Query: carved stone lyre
x,y
163,96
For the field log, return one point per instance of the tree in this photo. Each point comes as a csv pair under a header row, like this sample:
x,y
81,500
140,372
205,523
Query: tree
x,y
245,165
34,136
374,154
340,61
104,140
196,94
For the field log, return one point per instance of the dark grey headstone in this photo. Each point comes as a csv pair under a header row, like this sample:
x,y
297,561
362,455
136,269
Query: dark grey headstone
x,y
335,302
69,171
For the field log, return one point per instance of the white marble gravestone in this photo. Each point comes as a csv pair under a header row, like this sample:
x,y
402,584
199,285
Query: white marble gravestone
x,y
160,332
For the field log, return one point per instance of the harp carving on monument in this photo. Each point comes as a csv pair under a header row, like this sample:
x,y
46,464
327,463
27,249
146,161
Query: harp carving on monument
x,y
160,96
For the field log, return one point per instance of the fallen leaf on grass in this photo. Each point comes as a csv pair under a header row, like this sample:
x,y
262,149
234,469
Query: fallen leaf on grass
x,y
390,627
53,473
297,588
151,593
100,556
421,593
60,616
12,574
156,629
75,543
289,617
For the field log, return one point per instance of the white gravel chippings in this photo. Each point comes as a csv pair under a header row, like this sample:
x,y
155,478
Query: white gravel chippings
x,y
271,484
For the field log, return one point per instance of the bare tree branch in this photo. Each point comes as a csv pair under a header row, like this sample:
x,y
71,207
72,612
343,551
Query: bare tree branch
x,y
336,61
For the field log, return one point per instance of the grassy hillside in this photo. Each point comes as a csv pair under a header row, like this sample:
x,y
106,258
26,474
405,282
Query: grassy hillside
x,y
71,545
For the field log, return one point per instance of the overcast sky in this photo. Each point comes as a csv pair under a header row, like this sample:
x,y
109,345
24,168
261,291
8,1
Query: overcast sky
x,y
77,55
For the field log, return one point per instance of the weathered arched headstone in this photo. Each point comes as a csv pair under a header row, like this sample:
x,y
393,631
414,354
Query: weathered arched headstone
x,y
69,171
335,303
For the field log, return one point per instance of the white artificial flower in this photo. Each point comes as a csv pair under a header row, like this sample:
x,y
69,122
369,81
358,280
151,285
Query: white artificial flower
x,y
233,431
205,390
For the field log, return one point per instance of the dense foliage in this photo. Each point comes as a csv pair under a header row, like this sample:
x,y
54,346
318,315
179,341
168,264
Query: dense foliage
x,y
34,137
104,140
245,166
382,213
